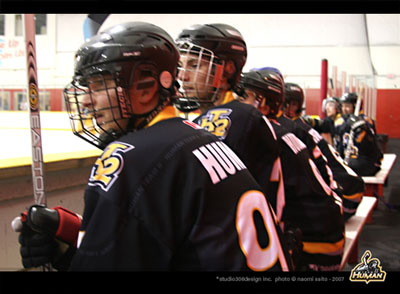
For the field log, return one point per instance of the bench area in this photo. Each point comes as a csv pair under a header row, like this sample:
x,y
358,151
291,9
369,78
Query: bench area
x,y
353,228
374,185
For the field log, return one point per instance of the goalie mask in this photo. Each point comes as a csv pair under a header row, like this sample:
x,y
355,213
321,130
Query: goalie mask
x,y
109,68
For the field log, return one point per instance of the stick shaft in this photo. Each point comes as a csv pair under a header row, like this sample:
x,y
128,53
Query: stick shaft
x,y
34,111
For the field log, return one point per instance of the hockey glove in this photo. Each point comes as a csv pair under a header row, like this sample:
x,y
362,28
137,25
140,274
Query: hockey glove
x,y
293,239
47,236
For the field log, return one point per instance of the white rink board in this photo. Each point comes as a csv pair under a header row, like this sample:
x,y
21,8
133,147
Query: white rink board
x,y
57,136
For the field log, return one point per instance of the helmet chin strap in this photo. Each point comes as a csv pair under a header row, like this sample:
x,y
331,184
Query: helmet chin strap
x,y
148,116
136,122
109,136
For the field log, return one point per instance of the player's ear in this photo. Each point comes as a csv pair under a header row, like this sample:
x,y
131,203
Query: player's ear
x,y
145,85
229,69
146,89
264,107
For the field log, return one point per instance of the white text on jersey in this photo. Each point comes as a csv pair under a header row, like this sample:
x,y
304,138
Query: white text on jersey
x,y
219,160
293,142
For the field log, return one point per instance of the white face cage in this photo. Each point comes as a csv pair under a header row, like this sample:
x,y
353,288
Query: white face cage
x,y
200,73
328,100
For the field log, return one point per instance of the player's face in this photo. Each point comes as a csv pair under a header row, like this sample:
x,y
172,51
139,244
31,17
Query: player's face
x,y
330,109
256,100
347,108
195,76
291,108
102,102
251,98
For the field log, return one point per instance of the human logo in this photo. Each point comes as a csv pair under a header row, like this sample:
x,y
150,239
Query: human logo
x,y
369,270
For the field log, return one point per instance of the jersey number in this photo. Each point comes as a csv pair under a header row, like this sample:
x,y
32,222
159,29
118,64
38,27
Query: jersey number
x,y
258,259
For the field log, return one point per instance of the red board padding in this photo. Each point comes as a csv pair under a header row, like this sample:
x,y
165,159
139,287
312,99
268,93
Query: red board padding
x,y
388,112
313,103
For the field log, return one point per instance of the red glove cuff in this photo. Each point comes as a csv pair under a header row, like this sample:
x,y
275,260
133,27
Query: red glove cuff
x,y
68,228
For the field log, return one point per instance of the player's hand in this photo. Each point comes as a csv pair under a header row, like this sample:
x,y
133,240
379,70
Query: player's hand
x,y
36,249
38,245
47,236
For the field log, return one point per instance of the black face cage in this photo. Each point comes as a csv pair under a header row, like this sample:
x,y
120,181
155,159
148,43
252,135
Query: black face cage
x,y
202,88
84,112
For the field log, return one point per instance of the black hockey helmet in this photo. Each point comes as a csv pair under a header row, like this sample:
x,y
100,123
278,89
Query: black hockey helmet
x,y
349,98
119,49
268,83
114,55
293,92
225,41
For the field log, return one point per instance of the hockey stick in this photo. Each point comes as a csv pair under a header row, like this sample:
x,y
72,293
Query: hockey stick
x,y
350,145
91,25
359,100
34,111
34,118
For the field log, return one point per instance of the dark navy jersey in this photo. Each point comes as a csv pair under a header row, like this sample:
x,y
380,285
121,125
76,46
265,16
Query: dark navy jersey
x,y
248,133
349,182
174,197
340,128
360,146
310,204
313,149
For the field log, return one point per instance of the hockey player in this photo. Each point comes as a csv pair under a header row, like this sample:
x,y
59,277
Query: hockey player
x,y
313,150
165,194
294,100
332,107
359,146
212,58
293,108
310,204
351,184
